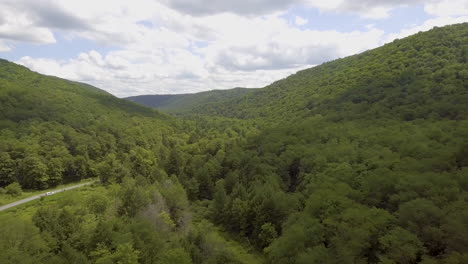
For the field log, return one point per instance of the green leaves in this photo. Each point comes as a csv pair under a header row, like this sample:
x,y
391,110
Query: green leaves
x,y
125,254
20,242
400,246
7,169
13,189
33,173
133,198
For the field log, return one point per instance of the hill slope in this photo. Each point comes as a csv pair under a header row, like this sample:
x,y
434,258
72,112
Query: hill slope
x,y
363,159
178,103
424,75
54,130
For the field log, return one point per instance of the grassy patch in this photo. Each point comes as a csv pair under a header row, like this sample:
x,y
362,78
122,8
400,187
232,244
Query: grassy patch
x,y
6,198
25,211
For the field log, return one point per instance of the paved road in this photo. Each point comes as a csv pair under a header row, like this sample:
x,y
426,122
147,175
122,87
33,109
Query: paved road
x,y
4,207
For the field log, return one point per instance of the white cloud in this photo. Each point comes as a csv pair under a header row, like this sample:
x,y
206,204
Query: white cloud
x,y
4,47
249,52
240,7
172,52
300,21
446,8
427,25
16,25
123,77
373,9
158,49
270,43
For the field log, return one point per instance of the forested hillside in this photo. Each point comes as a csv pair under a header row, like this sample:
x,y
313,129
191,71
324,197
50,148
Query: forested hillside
x,y
422,76
359,160
368,163
55,131
183,103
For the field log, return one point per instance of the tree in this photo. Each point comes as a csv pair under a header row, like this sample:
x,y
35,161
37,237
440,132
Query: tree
x,y
102,237
175,255
33,173
20,242
111,170
97,203
7,169
176,200
175,162
133,198
55,171
303,234
267,235
143,162
219,202
203,177
61,224
423,218
356,232
125,254
400,246
76,168
13,189
455,226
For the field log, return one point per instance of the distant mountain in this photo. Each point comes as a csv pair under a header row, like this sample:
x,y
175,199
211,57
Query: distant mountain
x,y
178,103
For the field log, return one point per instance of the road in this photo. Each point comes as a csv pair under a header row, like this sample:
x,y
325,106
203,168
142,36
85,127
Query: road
x,y
6,206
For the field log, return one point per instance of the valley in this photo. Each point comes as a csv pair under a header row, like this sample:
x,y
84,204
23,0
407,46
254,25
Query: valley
x,y
358,160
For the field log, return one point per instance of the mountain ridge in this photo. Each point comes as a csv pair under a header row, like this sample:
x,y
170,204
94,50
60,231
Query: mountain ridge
x,y
401,61
178,103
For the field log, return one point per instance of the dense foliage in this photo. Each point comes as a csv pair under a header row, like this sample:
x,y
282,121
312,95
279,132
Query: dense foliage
x,y
133,222
54,131
359,160
422,76
183,103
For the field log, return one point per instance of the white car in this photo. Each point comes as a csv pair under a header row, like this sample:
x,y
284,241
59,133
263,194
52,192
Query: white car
x,y
49,193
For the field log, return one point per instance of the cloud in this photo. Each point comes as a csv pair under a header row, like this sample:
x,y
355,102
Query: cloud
x,y
447,8
270,42
43,13
105,22
427,25
240,7
50,14
315,48
4,47
372,9
300,21
174,57
158,48
16,25
122,77
119,70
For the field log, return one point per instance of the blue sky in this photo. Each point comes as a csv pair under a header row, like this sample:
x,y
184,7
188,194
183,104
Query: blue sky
x,y
179,46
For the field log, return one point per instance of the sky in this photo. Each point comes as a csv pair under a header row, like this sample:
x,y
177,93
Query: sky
x,y
184,46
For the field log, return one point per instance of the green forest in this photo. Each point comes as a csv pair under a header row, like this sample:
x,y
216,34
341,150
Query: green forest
x,y
184,103
358,160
